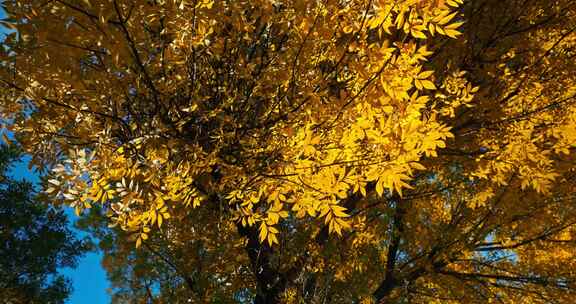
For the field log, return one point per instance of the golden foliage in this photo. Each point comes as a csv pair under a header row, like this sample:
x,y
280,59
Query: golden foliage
x,y
419,132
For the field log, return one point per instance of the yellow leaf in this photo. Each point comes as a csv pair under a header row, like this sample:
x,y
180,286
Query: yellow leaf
x,y
447,19
417,166
272,239
427,84
452,3
263,232
431,29
425,74
454,25
160,221
400,20
418,34
339,211
379,187
452,33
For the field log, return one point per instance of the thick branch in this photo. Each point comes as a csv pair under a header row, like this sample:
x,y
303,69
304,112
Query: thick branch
x,y
270,282
390,282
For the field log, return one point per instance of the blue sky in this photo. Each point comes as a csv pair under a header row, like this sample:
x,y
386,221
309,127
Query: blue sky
x,y
89,278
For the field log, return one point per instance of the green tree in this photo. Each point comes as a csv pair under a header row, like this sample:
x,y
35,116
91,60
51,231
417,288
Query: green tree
x,y
35,242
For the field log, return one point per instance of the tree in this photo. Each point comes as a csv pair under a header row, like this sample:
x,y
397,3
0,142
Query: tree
x,y
308,151
35,242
